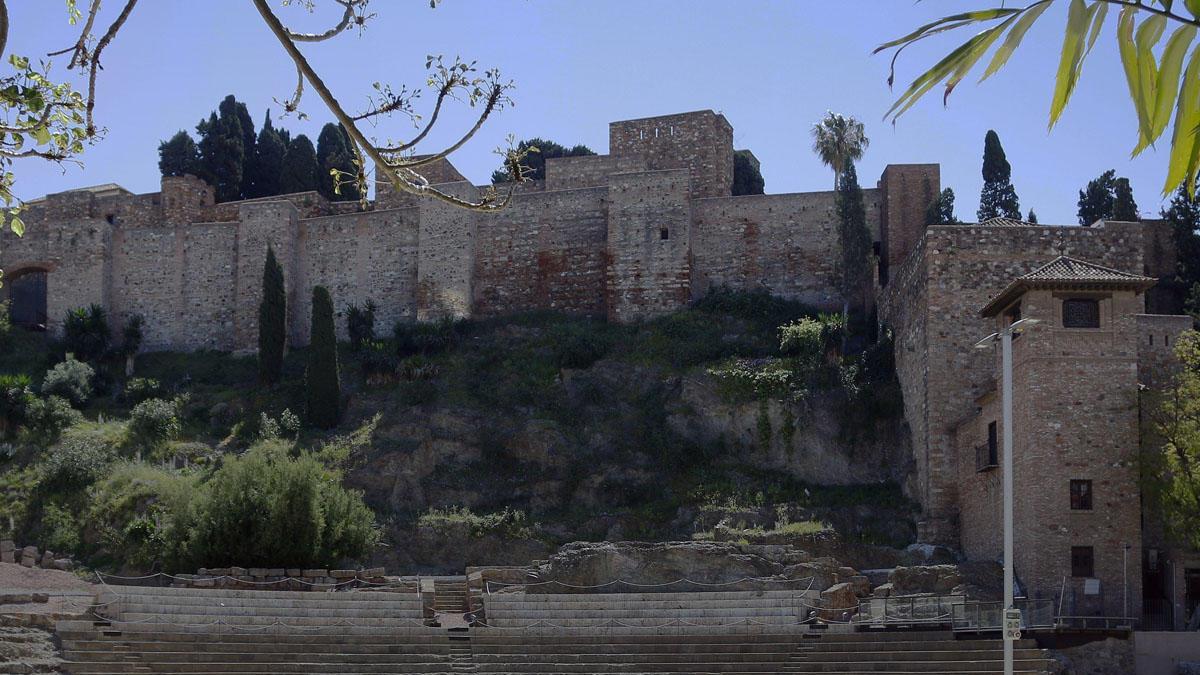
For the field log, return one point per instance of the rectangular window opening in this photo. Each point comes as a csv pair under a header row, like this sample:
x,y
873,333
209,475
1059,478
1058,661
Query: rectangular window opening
x,y
1081,495
1083,561
664,234
1081,313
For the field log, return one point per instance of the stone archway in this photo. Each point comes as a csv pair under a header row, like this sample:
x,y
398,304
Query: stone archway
x,y
25,290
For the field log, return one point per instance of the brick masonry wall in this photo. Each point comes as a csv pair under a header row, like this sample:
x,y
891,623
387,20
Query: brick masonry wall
x,y
786,243
567,173
445,267
701,142
905,192
964,267
648,274
1156,336
545,251
1075,414
981,491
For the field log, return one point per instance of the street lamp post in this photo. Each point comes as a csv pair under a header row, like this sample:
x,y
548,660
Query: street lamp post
x,y
1005,337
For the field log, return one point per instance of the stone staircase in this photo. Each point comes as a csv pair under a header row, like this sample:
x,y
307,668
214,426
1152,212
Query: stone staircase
x,y
206,632
450,595
714,608
913,652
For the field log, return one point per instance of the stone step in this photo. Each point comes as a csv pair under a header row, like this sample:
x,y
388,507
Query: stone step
x,y
643,622
277,668
217,645
87,630
321,600
130,611
868,644
627,597
198,656
643,659
201,620
650,612
239,593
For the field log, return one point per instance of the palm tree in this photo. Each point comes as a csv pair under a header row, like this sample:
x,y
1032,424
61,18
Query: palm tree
x,y
839,140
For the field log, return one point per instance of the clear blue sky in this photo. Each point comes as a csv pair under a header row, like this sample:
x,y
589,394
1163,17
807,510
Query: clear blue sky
x,y
772,68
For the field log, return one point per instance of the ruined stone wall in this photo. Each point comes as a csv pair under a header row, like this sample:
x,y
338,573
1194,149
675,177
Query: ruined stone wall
x,y
649,223
906,191
545,251
980,509
446,257
72,242
566,173
1075,416
359,257
701,142
1157,334
964,267
786,243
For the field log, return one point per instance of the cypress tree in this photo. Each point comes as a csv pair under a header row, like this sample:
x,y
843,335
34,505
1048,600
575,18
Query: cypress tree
x,y
1183,215
998,197
272,321
333,152
854,239
300,168
747,177
267,167
322,381
941,209
231,106
178,156
1124,208
1031,218
222,153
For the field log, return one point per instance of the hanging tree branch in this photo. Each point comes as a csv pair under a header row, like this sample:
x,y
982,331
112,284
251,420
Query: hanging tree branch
x,y
396,170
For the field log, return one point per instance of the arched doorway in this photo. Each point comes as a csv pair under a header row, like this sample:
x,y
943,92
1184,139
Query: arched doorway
x,y
26,293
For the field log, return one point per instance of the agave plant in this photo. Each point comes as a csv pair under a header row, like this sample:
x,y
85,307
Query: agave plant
x,y
1159,85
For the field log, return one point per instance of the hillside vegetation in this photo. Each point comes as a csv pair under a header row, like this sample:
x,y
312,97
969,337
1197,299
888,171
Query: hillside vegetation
x,y
465,442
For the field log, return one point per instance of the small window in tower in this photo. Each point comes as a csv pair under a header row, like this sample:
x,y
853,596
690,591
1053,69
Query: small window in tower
x,y
1151,339
1081,495
1081,313
1083,561
664,233
993,445
1167,340
110,218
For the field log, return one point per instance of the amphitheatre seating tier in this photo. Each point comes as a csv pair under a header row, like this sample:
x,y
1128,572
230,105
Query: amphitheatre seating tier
x,y
514,610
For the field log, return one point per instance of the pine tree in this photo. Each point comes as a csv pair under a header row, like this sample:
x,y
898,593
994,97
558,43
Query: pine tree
x,y
300,167
272,321
1096,200
1183,215
267,167
1124,207
222,153
333,152
178,156
854,239
941,209
322,381
998,197
536,161
1031,218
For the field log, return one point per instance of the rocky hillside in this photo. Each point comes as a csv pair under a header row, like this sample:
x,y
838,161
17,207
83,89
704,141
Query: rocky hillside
x,y
494,442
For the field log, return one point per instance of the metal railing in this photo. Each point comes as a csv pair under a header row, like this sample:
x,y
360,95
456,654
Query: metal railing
x,y
908,610
977,615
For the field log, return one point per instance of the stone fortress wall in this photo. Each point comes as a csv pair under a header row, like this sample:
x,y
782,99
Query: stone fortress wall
x,y
629,235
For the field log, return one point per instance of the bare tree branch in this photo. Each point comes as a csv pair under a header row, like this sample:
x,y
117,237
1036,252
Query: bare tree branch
x,y
95,60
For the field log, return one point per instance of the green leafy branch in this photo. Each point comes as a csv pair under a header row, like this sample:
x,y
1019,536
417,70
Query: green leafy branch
x,y
1160,85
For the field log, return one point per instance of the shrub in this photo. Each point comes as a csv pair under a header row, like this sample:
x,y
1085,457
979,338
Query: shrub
x,y
141,513
60,529
85,332
580,346
6,327
139,389
154,422
426,337
378,362
267,508
758,379
15,397
360,324
131,337
509,524
322,379
287,425
46,418
71,380
272,321
76,462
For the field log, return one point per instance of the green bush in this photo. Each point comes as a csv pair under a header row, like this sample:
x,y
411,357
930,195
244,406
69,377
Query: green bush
x,y
579,346
15,397
426,337
141,514
85,332
71,380
322,378
131,336
154,422
139,389
360,324
60,529
76,462
509,523
46,418
266,508
6,327
378,362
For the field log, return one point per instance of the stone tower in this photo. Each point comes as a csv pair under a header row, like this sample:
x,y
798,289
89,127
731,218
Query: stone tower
x,y
1075,434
